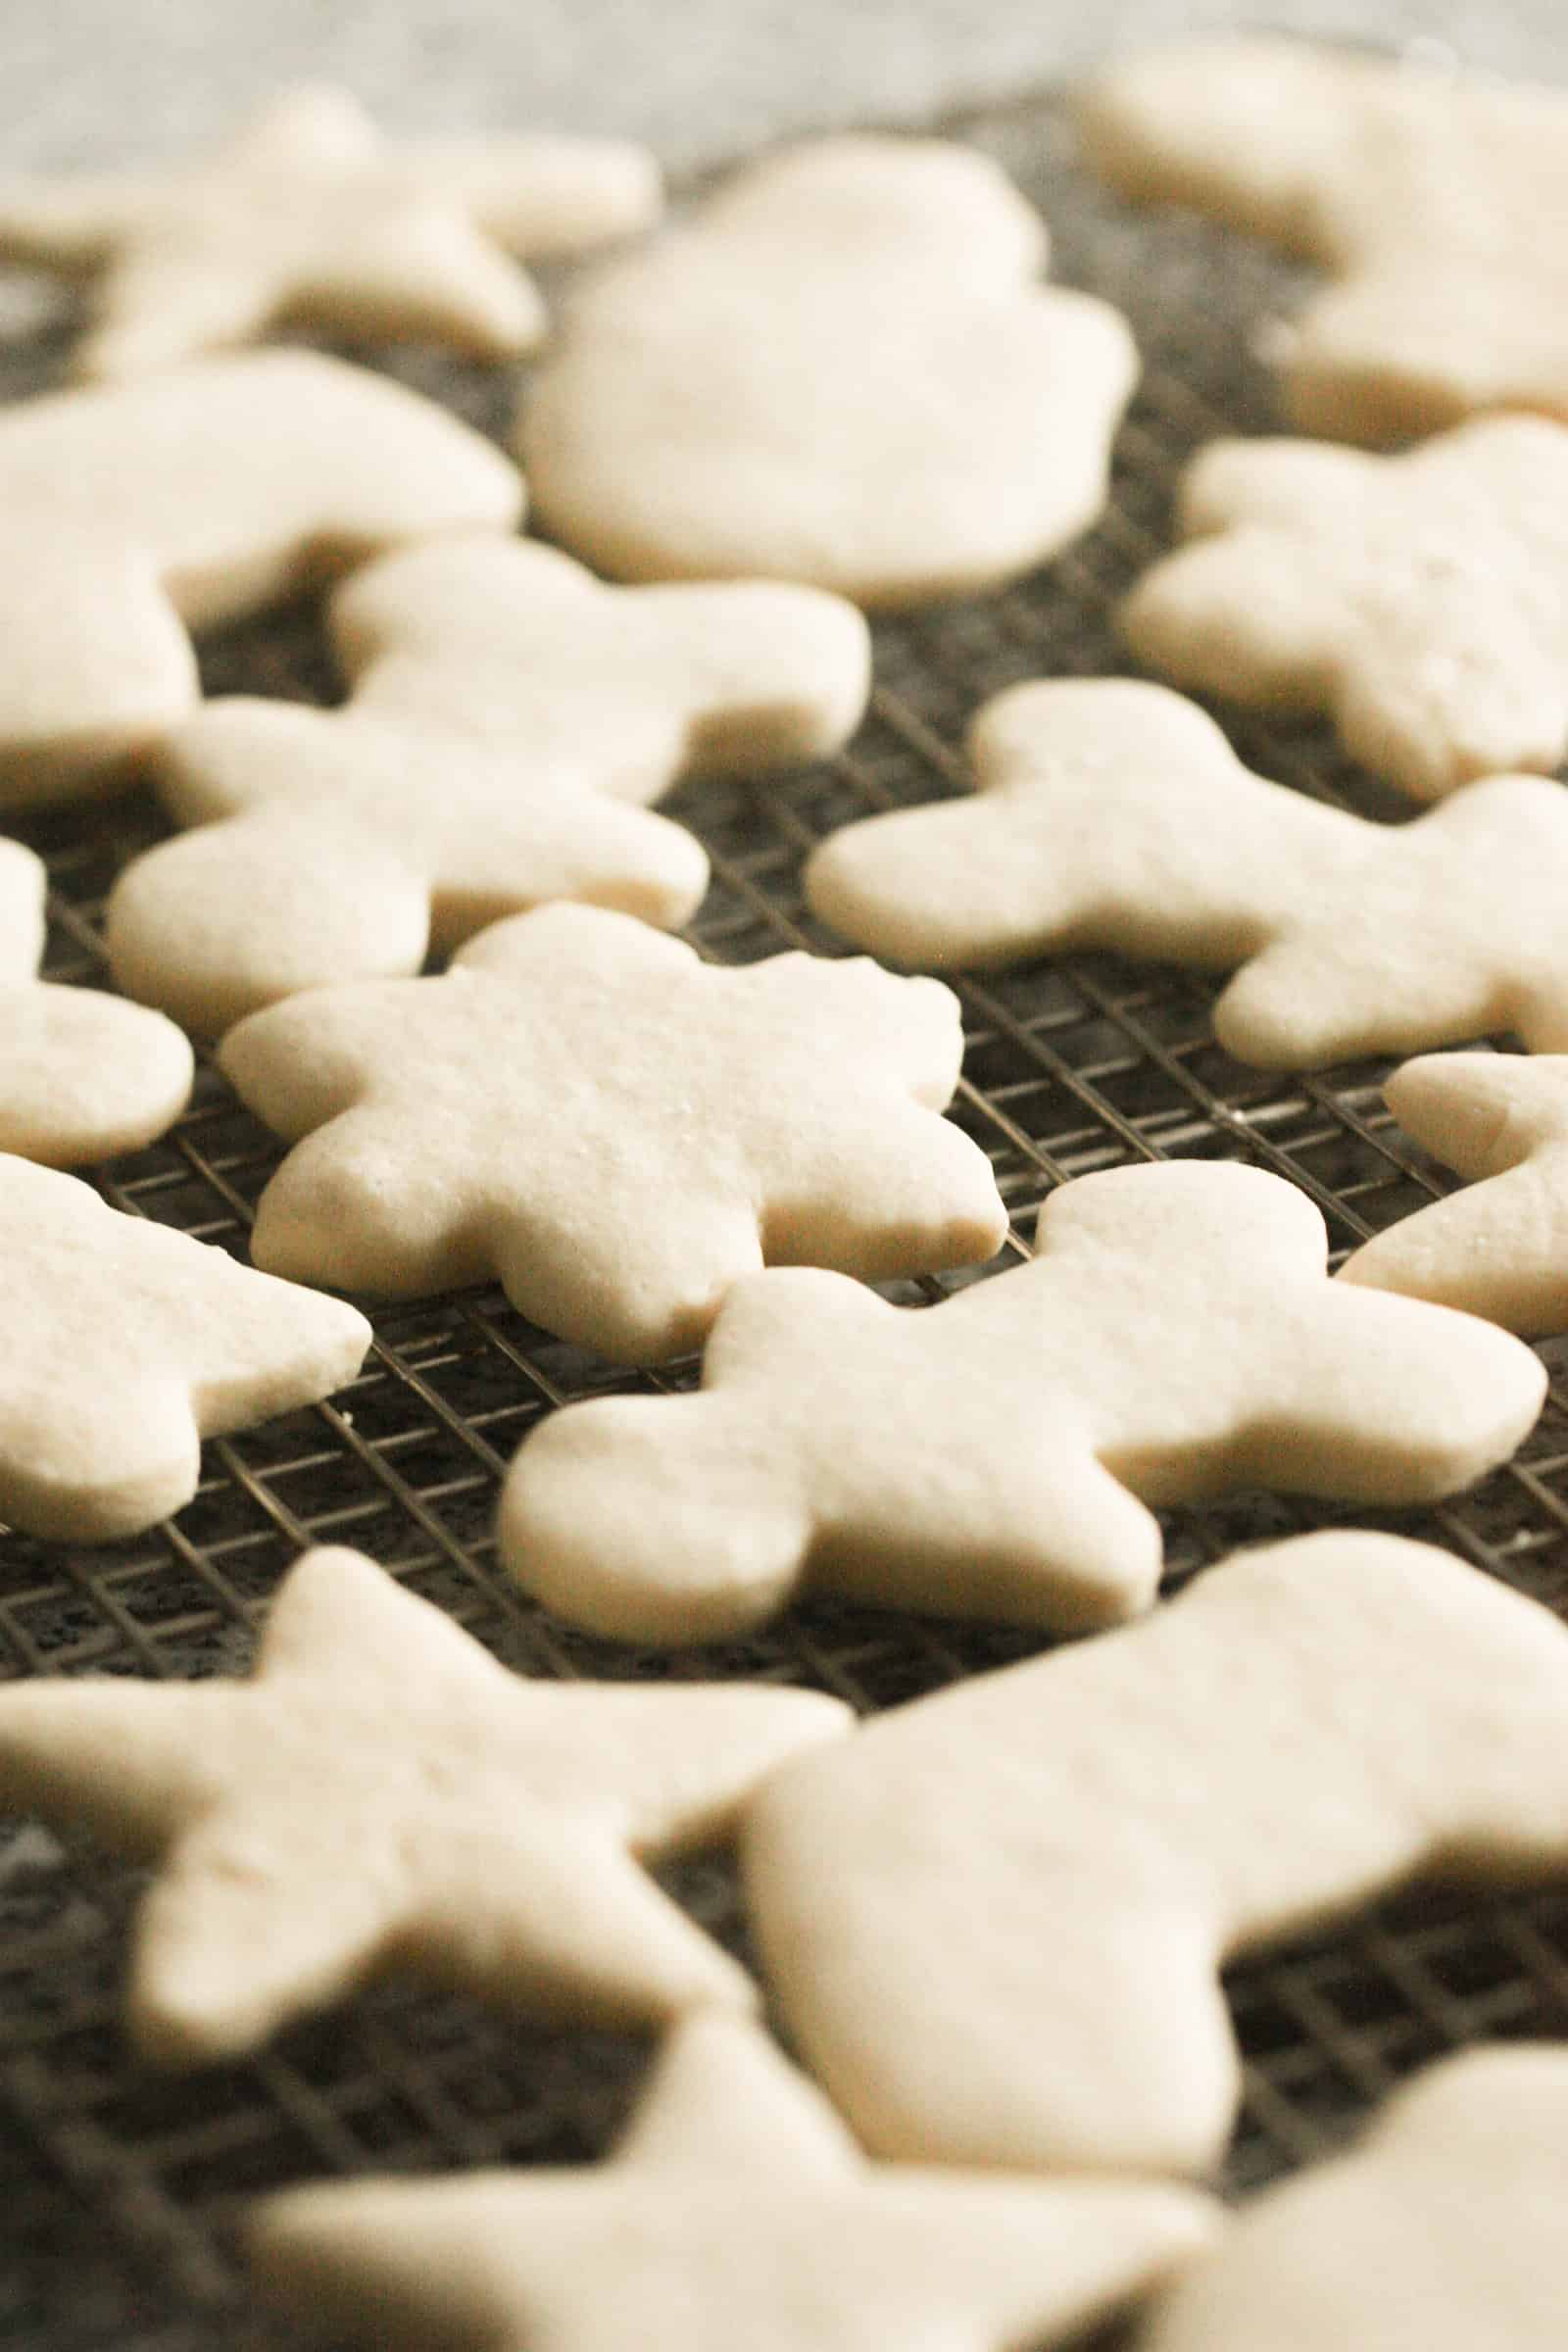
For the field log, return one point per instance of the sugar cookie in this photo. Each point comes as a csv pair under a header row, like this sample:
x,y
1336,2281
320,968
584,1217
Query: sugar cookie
x,y
308,217
613,1128
82,1074
1175,1336
383,1790
724,405
1499,1248
736,2210
1420,602
994,1920
1442,2229
130,512
1421,191
505,709
1114,815
139,1341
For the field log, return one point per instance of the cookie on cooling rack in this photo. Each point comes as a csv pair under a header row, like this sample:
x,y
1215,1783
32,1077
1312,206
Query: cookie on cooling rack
x,y
1422,189
735,2182
615,1129
1420,601
138,1343
83,1075
838,370
132,512
1499,1247
308,217
506,710
1175,1336
382,1790
1110,814
994,1920
1442,2229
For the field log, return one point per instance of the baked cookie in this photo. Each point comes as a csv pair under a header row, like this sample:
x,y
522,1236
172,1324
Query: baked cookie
x,y
306,217
1420,602
508,715
737,2210
1442,2229
83,1075
613,1128
1499,1248
1114,815
838,370
132,512
1175,1336
382,1790
139,1343
994,1920
1422,191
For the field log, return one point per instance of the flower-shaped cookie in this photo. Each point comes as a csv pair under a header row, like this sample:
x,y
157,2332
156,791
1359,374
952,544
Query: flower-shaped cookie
x,y
1428,196
505,710
1441,2229
82,1074
130,1344
308,217
1499,1248
995,1920
838,370
612,1127
1176,1335
1114,815
1420,602
736,2210
132,512
383,1790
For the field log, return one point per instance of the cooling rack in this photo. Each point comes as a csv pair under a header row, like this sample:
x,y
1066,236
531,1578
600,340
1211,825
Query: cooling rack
x,y
120,2189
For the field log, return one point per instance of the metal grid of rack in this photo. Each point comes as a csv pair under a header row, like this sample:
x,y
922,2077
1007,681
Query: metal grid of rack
x,y
120,2187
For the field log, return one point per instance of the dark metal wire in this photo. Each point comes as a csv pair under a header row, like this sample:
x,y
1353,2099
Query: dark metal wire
x,y
121,2188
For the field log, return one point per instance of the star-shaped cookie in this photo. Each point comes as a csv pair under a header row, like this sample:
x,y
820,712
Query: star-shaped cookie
x,y
1175,1336
736,2212
132,512
308,217
508,714
1420,601
1423,191
840,367
129,1344
83,1075
613,1128
1114,815
995,1920
1441,2229
383,1791
1499,1248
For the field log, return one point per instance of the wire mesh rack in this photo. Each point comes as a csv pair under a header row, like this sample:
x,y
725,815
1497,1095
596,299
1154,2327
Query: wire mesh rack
x,y
119,2187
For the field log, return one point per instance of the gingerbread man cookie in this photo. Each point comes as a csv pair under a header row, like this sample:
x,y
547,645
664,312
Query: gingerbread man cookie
x,y
308,217
83,1075
613,1128
131,512
1442,2229
133,1343
1114,815
995,1920
1420,602
736,2210
382,1790
1175,1335
1499,1248
1422,191
506,710
724,405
